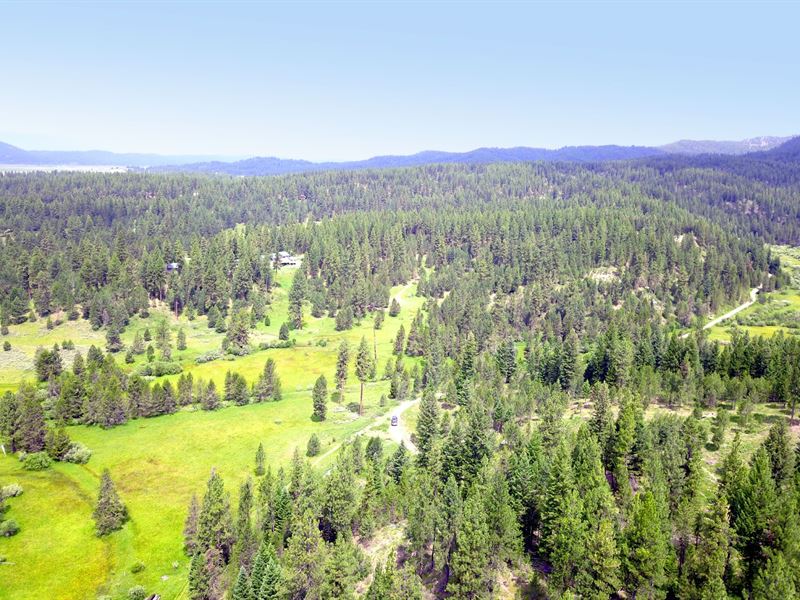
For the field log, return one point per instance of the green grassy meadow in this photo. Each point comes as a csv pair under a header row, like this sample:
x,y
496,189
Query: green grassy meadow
x,y
159,463
776,311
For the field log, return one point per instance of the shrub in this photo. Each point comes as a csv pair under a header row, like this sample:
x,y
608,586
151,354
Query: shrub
x,y
157,368
208,357
9,528
78,453
37,461
137,593
6,345
137,567
237,350
278,344
12,490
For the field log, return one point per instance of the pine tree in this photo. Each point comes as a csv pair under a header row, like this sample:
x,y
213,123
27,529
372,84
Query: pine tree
x,y
344,319
505,538
776,580
599,576
304,557
237,337
190,528
446,524
363,369
109,513
427,426
704,569
470,576
342,361
646,548
264,554
215,524
163,340
563,530
181,339
341,571
246,542
210,400
57,442
268,385
242,589
569,362
320,398
753,511
780,451
400,341
29,429
313,446
506,359
270,575
260,460
8,421
397,462
338,499
394,308
297,295
198,579
384,582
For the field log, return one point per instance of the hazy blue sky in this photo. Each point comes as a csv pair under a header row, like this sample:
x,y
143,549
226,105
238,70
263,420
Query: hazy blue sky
x,y
346,81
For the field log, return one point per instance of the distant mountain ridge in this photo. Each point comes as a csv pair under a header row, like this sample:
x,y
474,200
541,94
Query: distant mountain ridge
x,y
756,144
12,155
763,145
279,166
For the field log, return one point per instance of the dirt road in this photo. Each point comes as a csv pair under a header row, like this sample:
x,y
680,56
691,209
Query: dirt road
x,y
400,433
735,311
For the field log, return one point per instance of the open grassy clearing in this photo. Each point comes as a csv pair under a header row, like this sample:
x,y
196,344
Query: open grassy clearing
x,y
159,463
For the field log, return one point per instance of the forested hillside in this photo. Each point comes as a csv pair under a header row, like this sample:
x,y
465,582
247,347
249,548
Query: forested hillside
x,y
578,434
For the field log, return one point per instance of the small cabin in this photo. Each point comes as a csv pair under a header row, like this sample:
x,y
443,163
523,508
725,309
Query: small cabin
x,y
284,259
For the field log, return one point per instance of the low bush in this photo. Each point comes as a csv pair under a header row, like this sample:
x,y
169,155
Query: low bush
x,y
78,453
238,350
37,461
158,368
9,528
12,490
278,344
137,567
208,357
137,592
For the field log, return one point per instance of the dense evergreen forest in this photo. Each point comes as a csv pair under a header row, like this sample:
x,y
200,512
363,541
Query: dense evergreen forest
x,y
544,284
